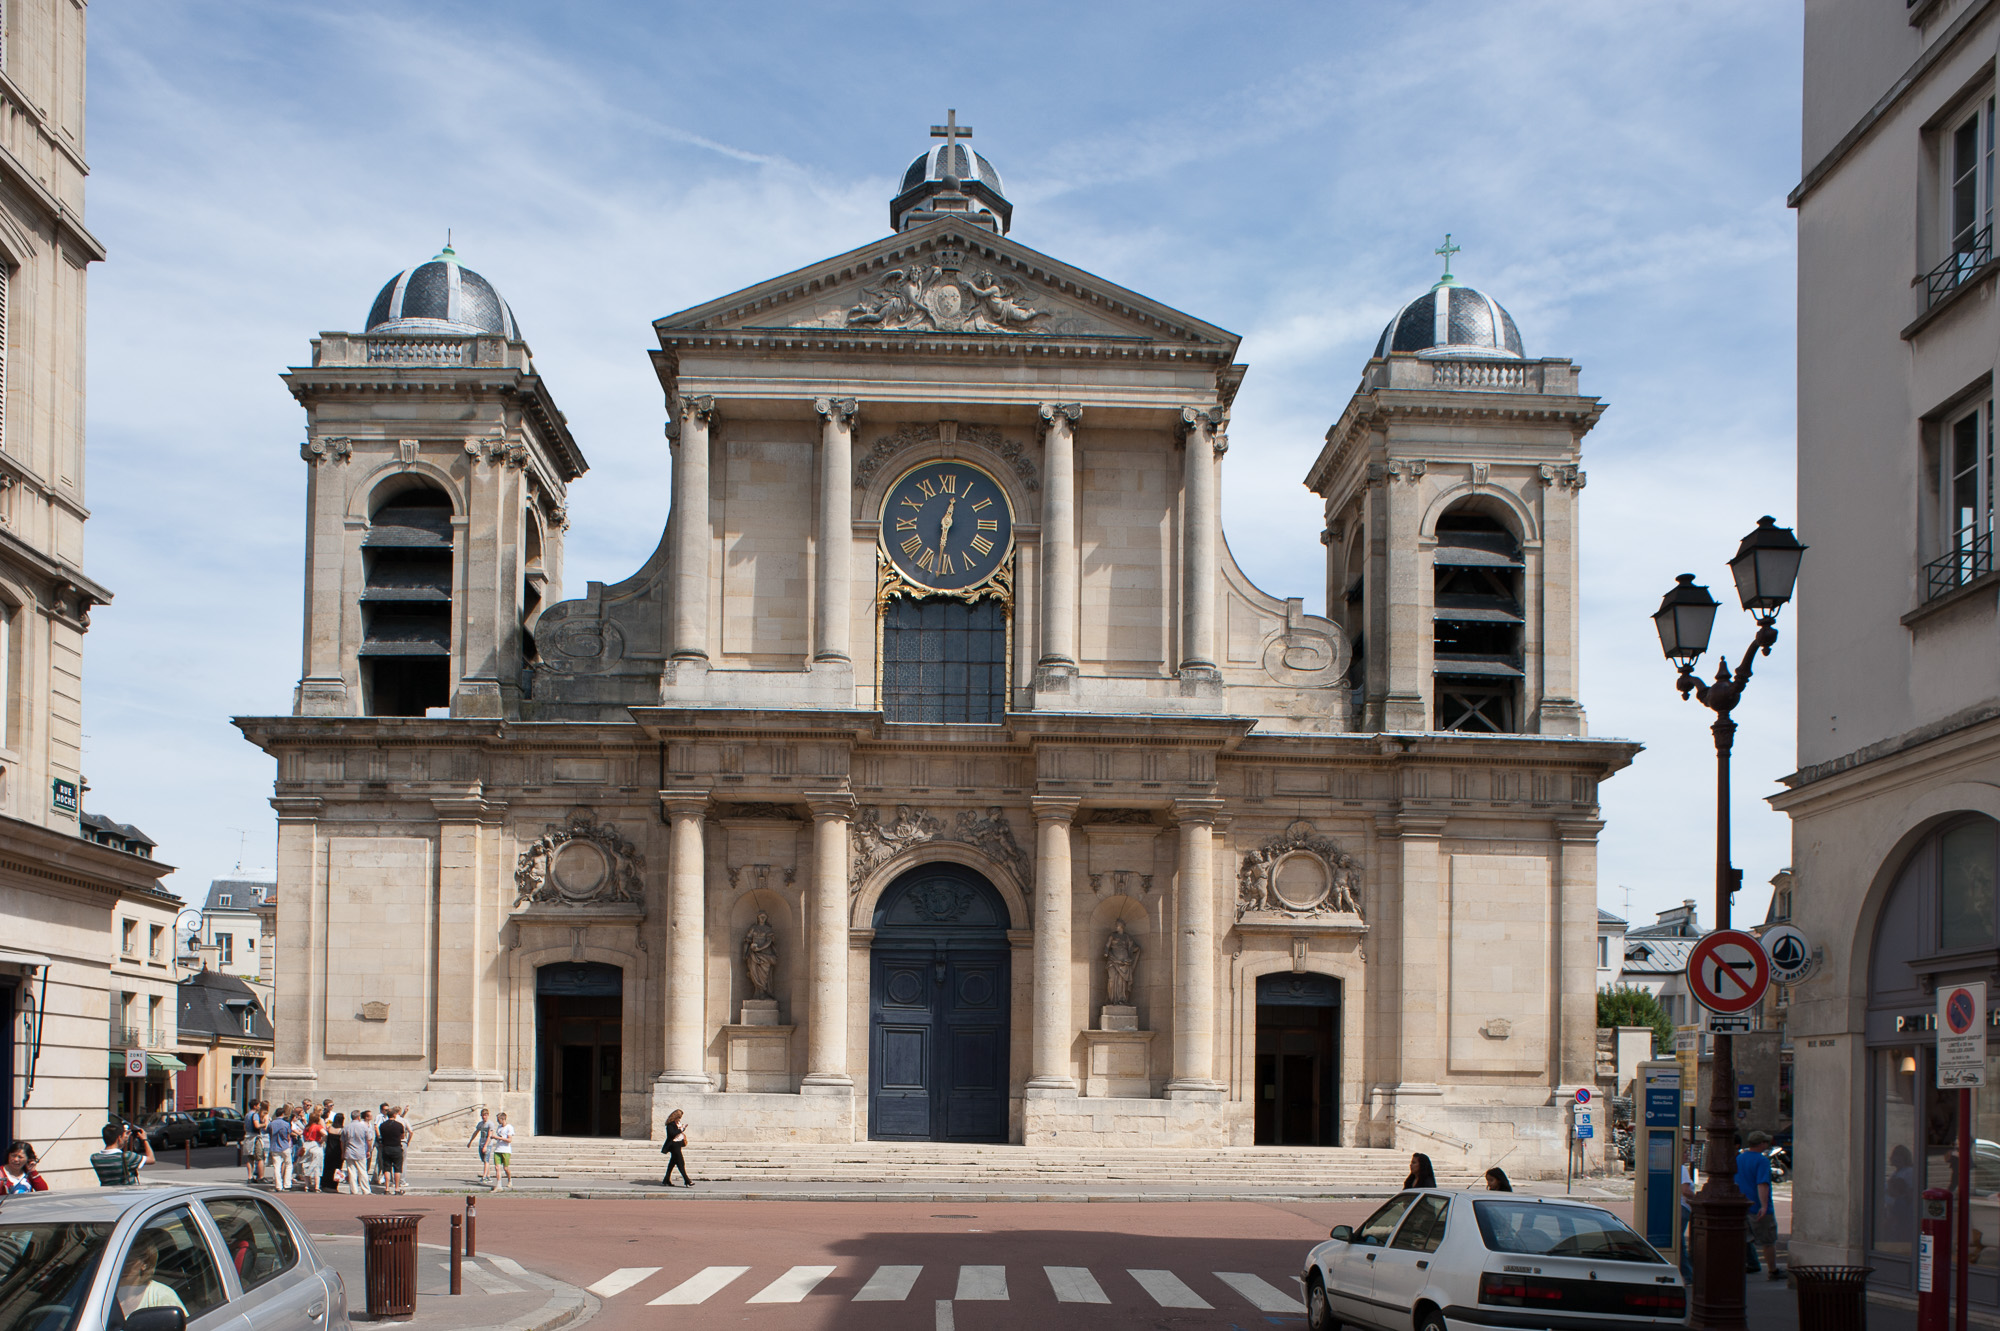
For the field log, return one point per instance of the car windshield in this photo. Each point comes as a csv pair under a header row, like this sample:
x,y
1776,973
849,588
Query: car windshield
x,y
1549,1230
45,1273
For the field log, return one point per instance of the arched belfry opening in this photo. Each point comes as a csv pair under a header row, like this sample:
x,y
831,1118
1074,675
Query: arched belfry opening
x,y
1298,1059
579,1048
1477,622
406,604
939,988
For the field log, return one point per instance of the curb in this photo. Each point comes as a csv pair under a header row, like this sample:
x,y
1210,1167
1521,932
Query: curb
x,y
587,1193
567,1305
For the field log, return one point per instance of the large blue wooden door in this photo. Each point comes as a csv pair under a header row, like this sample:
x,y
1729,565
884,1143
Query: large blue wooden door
x,y
938,1012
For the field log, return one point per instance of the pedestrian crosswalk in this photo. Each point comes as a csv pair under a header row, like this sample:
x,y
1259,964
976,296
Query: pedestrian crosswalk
x,y
969,1284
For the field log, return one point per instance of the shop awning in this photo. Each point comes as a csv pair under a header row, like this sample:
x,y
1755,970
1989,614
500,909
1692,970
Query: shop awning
x,y
154,1062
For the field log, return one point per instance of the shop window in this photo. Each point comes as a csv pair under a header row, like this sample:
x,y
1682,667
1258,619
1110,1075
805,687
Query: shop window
x,y
1966,855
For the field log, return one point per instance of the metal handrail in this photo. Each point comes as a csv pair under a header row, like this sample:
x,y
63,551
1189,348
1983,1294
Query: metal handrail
x,y
1959,266
439,1118
1444,1137
1958,567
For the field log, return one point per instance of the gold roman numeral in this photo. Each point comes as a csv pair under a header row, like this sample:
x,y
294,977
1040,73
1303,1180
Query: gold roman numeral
x,y
981,504
948,482
906,524
982,545
928,561
989,524
913,544
913,503
944,565
925,486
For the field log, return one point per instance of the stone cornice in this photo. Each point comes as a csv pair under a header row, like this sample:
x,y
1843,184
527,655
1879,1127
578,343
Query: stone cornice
x,y
530,390
68,226
1927,756
1371,412
64,861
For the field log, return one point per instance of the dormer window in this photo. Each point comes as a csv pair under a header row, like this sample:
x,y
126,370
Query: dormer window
x,y
222,900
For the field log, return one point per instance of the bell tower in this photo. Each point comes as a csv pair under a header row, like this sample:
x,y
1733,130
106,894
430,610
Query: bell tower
x,y
1451,485
437,474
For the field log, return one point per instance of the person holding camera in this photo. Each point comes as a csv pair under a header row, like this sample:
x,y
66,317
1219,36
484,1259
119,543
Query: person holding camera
x,y
126,1152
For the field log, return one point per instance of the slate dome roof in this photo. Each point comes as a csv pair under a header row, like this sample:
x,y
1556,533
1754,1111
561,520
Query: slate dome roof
x,y
971,169
1453,320
441,297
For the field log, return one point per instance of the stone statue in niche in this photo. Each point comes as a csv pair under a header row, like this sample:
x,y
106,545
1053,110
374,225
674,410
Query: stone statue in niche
x,y
760,956
1121,965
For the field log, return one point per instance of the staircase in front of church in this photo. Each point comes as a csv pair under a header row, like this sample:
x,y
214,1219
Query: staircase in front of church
x,y
905,1168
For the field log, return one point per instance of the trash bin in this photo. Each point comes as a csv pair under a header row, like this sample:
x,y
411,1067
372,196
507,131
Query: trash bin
x,y
1832,1298
389,1257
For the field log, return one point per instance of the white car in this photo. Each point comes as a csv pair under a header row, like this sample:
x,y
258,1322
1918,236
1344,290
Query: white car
x,y
1437,1260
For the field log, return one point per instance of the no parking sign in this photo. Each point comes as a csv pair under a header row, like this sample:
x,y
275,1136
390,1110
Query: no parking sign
x,y
1961,1036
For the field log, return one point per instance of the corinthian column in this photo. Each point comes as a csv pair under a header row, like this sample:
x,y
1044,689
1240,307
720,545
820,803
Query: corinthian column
x,y
826,1036
836,526
691,535
1059,535
1198,515
1194,953
686,943
1053,1033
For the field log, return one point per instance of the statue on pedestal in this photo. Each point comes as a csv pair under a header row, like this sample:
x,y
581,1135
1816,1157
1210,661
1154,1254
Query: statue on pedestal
x,y
760,956
1121,963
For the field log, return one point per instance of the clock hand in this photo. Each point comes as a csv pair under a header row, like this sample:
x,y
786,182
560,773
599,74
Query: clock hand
x,y
944,524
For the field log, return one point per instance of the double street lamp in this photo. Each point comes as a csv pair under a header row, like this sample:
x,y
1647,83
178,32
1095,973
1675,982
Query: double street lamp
x,y
1766,567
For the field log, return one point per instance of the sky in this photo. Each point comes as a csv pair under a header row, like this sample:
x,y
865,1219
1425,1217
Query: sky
x,y
1616,175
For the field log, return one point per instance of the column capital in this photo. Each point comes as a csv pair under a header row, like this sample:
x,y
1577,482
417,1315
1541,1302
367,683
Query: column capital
x,y
1055,808
1197,812
841,411
684,803
699,408
468,809
826,805
1210,423
1071,412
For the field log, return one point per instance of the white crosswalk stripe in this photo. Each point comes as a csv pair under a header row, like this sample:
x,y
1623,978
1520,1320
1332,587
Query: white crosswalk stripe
x,y
1075,1284
700,1285
509,1265
793,1286
1167,1289
1263,1295
889,1284
621,1280
987,1283
486,1280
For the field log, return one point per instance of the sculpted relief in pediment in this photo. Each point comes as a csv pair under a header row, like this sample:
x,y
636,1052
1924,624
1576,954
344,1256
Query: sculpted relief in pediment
x,y
925,297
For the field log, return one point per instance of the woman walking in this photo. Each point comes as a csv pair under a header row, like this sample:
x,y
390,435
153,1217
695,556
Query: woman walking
x,y
1421,1174
312,1151
676,1139
329,1174
482,1137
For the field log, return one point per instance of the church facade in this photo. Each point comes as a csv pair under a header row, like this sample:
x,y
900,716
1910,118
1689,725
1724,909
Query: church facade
x,y
941,776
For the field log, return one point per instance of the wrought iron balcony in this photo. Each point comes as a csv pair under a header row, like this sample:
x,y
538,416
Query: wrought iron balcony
x,y
1972,559
141,1037
1958,267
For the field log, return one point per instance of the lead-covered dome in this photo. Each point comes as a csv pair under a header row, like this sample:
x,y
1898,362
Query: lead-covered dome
x,y
441,297
951,180
1453,320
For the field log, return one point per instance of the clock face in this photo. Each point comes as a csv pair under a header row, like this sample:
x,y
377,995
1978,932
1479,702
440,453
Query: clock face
x,y
946,525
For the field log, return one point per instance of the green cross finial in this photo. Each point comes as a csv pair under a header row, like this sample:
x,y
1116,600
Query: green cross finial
x,y
1447,250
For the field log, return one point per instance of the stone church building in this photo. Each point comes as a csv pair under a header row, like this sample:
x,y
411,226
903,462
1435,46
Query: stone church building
x,y
941,776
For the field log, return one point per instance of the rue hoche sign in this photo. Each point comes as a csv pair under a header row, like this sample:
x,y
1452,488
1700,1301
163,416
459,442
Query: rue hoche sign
x,y
62,795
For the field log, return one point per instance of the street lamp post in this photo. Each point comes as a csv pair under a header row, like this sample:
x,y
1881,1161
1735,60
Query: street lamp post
x,y
1765,568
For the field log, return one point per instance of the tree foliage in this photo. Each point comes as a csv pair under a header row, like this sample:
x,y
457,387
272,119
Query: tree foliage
x,y
1626,1006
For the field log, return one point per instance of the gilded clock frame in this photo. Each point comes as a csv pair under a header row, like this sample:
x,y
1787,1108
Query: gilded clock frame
x,y
890,580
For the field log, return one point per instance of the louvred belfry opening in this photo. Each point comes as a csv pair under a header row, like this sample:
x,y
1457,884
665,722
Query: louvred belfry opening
x,y
406,605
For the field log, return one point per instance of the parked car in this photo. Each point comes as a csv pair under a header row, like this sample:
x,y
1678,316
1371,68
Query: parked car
x,y
1437,1260
202,1257
216,1127
170,1131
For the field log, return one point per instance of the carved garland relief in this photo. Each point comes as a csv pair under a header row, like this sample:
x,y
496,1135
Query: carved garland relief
x,y
1299,875
876,840
582,862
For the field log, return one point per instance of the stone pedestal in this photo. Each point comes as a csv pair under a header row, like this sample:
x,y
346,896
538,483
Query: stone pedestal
x,y
1114,1017
759,1012
759,1058
1118,1060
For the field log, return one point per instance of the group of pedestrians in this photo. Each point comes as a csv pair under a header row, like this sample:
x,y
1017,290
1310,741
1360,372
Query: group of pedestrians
x,y
314,1148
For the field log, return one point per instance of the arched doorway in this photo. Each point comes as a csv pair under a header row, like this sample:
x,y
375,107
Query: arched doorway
x,y
1298,1060
938,990
579,1048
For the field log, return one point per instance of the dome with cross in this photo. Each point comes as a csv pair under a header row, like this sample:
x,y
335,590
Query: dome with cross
x,y
1452,320
951,180
441,297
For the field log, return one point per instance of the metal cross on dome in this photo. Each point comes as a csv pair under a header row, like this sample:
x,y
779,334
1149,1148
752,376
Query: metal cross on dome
x,y
951,132
1447,250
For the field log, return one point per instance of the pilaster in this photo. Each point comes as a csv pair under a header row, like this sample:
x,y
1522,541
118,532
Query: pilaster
x,y
1420,972
466,930
1576,934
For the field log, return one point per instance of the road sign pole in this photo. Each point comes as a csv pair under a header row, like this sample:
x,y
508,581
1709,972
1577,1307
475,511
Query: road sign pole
x,y
1964,1208
1719,1209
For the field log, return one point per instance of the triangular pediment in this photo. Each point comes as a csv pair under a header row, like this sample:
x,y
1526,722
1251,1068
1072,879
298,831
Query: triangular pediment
x,y
948,280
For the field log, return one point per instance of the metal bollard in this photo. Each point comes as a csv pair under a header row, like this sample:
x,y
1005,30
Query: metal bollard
x,y
471,1228
187,1153
455,1285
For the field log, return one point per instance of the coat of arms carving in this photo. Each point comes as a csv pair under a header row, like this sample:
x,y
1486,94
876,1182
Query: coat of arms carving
x,y
1298,874
924,298
877,839
581,862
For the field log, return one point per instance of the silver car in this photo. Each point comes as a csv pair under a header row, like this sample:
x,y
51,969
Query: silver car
x,y
161,1259
1450,1261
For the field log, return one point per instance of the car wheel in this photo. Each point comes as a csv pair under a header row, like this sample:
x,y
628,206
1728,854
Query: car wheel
x,y
1319,1310
1430,1319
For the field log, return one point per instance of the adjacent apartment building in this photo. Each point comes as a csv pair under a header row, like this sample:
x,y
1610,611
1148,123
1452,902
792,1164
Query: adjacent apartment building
x,y
1895,805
